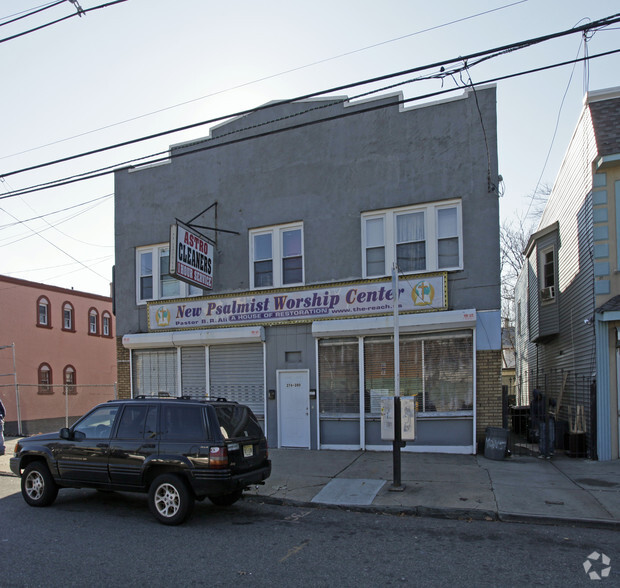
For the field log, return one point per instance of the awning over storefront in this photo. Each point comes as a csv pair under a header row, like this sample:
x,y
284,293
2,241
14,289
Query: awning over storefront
x,y
234,335
410,323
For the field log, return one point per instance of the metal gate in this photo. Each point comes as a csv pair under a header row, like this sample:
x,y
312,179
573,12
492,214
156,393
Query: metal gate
x,y
236,372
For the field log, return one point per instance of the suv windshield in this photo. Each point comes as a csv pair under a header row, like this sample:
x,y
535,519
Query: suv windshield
x,y
237,421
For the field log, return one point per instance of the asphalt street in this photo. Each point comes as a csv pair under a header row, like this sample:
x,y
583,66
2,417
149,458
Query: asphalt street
x,y
111,539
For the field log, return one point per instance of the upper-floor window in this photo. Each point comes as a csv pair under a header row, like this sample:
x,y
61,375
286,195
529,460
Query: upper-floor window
x,y
547,274
106,324
153,279
416,238
276,256
43,312
93,322
68,317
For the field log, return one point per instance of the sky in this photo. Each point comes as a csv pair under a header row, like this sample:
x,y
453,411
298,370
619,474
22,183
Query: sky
x,y
144,66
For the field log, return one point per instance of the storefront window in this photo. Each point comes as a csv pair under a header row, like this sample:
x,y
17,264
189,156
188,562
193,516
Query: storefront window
x,y
437,369
154,372
379,370
339,376
448,374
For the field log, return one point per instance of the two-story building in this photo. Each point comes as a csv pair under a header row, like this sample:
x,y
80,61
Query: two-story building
x,y
57,354
304,209
568,292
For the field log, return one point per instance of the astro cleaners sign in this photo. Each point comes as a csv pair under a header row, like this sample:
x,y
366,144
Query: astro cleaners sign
x,y
191,257
416,293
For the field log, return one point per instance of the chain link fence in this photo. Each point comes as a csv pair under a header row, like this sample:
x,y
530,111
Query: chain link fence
x,y
38,408
574,413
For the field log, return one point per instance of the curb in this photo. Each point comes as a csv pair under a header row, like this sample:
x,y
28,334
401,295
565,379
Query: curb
x,y
508,517
414,511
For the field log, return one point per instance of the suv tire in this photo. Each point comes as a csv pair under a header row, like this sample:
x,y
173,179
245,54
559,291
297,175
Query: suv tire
x,y
38,486
226,499
170,500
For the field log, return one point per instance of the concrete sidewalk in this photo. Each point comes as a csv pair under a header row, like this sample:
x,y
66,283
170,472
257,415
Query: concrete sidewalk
x,y
520,488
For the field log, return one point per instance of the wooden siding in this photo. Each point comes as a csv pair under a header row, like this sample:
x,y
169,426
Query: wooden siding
x,y
570,204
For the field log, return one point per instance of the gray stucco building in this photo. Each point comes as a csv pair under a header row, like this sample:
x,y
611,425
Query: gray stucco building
x,y
306,207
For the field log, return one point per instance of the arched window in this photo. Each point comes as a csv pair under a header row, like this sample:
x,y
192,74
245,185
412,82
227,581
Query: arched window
x,y
106,324
68,317
93,322
45,379
44,317
69,380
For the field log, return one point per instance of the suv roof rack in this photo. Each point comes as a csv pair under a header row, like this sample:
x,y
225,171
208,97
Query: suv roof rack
x,y
163,396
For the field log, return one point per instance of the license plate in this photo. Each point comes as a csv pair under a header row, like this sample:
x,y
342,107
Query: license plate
x,y
248,450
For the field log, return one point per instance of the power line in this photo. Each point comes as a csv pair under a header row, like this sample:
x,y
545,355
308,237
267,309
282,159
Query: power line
x,y
265,78
90,269
80,12
8,225
505,48
217,143
33,12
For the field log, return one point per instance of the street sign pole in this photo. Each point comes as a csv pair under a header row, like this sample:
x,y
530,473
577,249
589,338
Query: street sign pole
x,y
396,444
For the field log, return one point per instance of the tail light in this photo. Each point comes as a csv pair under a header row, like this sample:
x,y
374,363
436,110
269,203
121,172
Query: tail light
x,y
218,458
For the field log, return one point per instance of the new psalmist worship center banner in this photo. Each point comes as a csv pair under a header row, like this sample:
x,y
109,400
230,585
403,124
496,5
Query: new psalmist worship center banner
x,y
416,293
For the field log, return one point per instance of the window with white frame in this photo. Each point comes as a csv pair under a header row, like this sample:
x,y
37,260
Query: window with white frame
x,y
93,322
43,312
67,317
276,256
416,238
106,324
153,279
547,274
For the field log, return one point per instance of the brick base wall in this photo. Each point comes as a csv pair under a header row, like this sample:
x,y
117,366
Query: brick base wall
x,y
489,391
123,371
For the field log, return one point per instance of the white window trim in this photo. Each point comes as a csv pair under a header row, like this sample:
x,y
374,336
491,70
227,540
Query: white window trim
x,y
276,232
155,250
431,233
106,323
548,294
43,302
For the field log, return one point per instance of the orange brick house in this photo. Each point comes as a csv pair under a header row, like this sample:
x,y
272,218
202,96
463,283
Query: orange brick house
x,y
57,354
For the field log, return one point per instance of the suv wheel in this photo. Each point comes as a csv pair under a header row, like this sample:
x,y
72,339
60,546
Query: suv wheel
x,y
38,486
170,500
226,499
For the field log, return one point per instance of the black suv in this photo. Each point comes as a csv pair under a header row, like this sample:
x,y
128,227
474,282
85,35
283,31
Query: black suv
x,y
175,449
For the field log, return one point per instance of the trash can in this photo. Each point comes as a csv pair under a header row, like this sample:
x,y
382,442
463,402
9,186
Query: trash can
x,y
495,443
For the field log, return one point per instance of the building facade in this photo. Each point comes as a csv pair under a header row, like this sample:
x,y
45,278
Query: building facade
x,y
567,295
57,354
307,207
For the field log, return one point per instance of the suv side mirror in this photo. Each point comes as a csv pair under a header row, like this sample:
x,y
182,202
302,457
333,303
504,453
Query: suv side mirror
x,y
65,433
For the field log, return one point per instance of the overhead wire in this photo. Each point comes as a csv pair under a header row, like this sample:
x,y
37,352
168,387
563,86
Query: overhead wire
x,y
8,225
505,48
215,143
557,124
39,233
33,11
49,24
265,78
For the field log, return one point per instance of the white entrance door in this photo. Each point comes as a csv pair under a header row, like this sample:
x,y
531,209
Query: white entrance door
x,y
294,408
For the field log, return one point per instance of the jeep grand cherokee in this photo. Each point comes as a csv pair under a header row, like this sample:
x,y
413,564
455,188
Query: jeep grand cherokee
x,y
175,449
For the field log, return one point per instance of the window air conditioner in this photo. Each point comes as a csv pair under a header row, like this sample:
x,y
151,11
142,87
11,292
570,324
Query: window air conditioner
x,y
547,293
